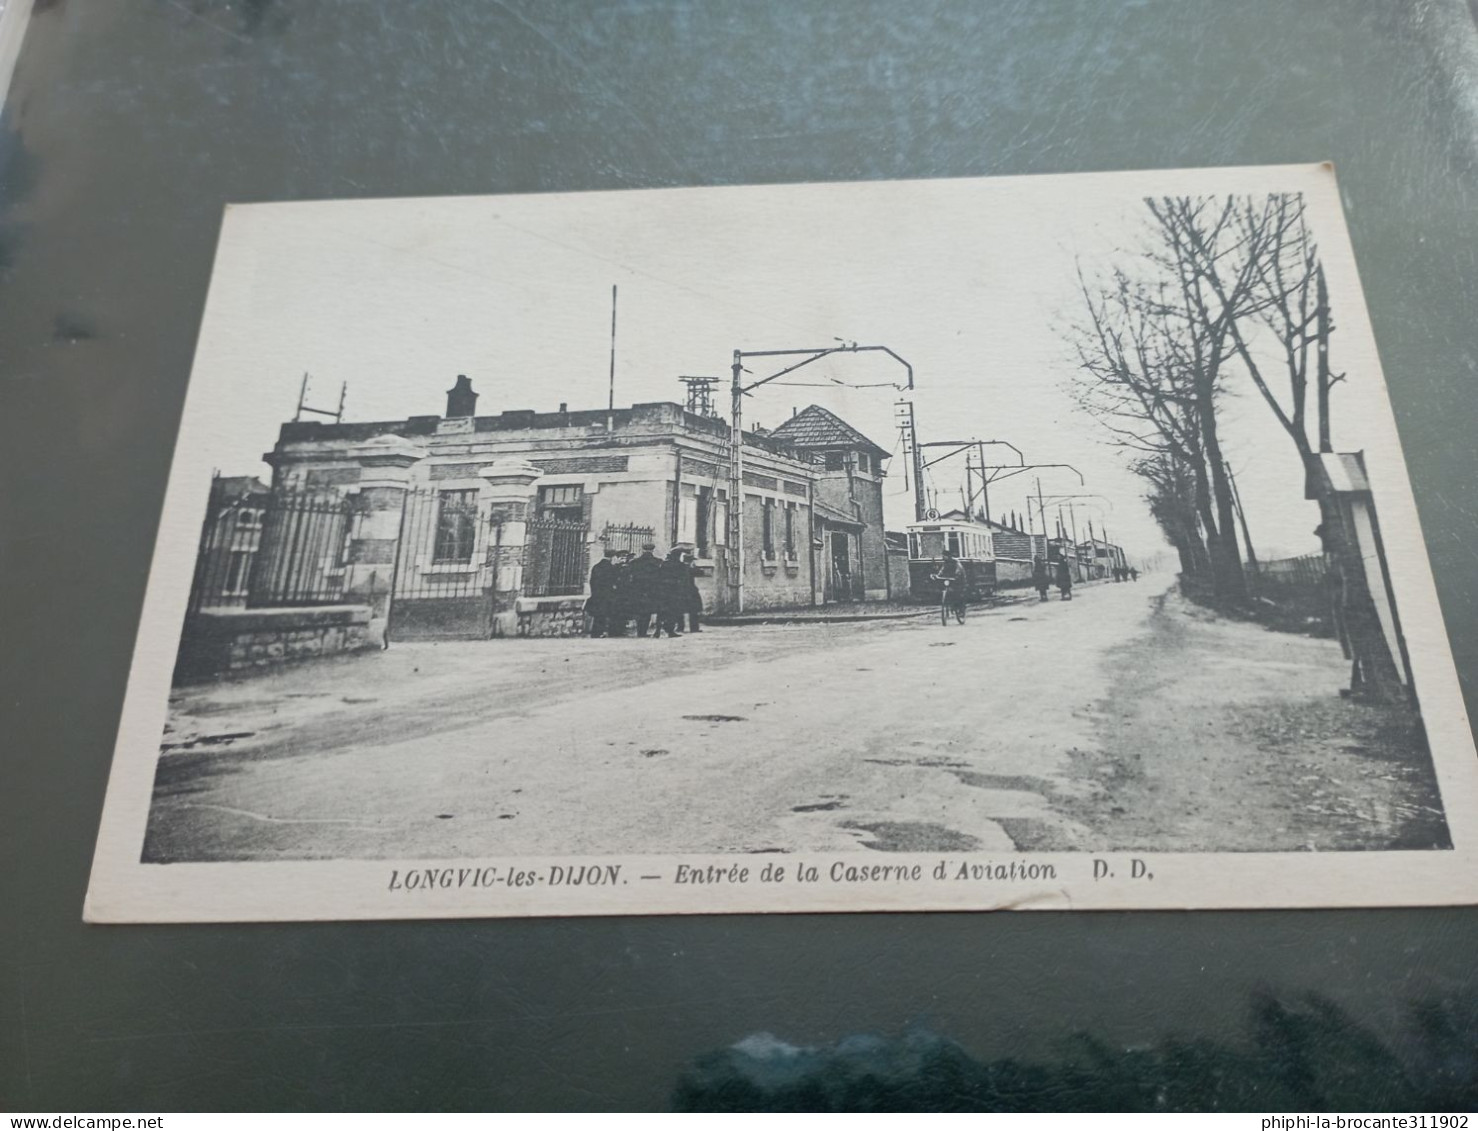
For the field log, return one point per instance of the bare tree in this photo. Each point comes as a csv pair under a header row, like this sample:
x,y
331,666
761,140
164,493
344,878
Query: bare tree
x,y
1151,369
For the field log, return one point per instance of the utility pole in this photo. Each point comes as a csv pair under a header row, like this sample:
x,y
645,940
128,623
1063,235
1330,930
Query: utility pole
x,y
736,481
1042,514
984,480
611,384
1072,515
738,391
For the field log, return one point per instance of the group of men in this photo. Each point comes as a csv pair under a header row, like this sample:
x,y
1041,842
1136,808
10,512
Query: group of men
x,y
627,588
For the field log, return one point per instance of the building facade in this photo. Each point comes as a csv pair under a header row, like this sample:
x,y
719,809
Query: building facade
x,y
853,550
497,518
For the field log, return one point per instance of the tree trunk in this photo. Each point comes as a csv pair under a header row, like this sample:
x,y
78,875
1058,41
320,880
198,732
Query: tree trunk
x,y
1226,557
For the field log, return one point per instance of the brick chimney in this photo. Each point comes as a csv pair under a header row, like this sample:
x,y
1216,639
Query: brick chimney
x,y
460,399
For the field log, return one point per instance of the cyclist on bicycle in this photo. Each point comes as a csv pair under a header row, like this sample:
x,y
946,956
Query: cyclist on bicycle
x,y
951,576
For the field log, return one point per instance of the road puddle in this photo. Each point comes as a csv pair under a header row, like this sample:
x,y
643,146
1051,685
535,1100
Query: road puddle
x,y
914,836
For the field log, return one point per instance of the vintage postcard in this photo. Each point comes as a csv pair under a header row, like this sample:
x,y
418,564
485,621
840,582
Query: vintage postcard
x,y
963,544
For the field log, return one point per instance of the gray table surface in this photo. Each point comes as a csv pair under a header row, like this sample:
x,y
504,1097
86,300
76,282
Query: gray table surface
x,y
127,128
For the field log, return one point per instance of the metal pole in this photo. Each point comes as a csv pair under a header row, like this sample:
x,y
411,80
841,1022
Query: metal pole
x,y
611,394
736,483
984,481
1042,514
1072,517
969,493
919,504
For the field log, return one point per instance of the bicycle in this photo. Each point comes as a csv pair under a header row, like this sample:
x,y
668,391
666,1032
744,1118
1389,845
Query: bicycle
x,y
946,605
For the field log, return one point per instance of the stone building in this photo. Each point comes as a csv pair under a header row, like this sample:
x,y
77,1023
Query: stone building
x,y
480,526
853,551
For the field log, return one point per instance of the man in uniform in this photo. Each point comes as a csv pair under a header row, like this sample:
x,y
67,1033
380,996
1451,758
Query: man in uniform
x,y
604,584
644,588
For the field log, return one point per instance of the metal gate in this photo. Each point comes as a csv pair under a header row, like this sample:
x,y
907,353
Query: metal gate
x,y
443,586
555,558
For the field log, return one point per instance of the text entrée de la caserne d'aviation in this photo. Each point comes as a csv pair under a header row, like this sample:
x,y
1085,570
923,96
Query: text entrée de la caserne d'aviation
x,y
746,874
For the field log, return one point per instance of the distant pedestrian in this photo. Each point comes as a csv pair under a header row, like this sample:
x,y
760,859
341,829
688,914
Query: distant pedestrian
x,y
643,588
1133,573
1064,579
1040,577
601,607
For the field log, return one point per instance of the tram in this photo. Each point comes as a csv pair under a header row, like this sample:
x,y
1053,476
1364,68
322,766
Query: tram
x,y
969,541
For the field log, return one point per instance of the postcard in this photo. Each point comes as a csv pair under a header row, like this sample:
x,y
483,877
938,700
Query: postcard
x,y
1035,542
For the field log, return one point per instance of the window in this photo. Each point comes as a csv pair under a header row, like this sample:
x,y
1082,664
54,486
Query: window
x,y
238,572
702,521
862,464
953,542
564,502
767,516
836,461
790,530
721,519
456,526
913,546
687,518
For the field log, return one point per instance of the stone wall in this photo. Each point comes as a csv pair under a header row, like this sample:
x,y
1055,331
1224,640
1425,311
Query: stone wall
x,y
551,616
220,642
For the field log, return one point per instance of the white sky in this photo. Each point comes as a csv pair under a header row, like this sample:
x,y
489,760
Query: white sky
x,y
971,280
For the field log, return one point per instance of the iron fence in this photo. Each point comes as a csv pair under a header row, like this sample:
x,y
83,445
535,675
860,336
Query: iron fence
x,y
301,556
555,558
629,538
230,539
440,554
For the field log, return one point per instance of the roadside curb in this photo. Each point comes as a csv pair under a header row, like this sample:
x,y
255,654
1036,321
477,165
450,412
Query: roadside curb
x,y
781,616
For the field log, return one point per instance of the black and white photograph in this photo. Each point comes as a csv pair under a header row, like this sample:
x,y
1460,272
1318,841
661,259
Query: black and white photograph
x,y
1037,542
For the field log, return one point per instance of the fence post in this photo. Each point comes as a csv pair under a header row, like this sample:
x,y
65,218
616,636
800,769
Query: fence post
x,y
374,536
508,490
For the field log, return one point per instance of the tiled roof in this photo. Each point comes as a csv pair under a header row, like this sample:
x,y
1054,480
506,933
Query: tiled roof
x,y
815,427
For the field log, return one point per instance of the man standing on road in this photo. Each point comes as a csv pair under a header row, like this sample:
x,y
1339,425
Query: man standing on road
x,y
1064,579
1040,578
604,584
644,587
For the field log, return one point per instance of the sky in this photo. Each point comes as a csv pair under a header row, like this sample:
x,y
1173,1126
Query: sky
x,y
973,281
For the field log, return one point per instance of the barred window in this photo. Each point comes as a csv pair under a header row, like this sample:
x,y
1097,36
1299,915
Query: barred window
x,y
790,530
767,512
456,527
564,502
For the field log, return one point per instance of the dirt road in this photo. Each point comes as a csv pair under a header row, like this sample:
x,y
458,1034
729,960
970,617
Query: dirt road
x,y
1077,726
